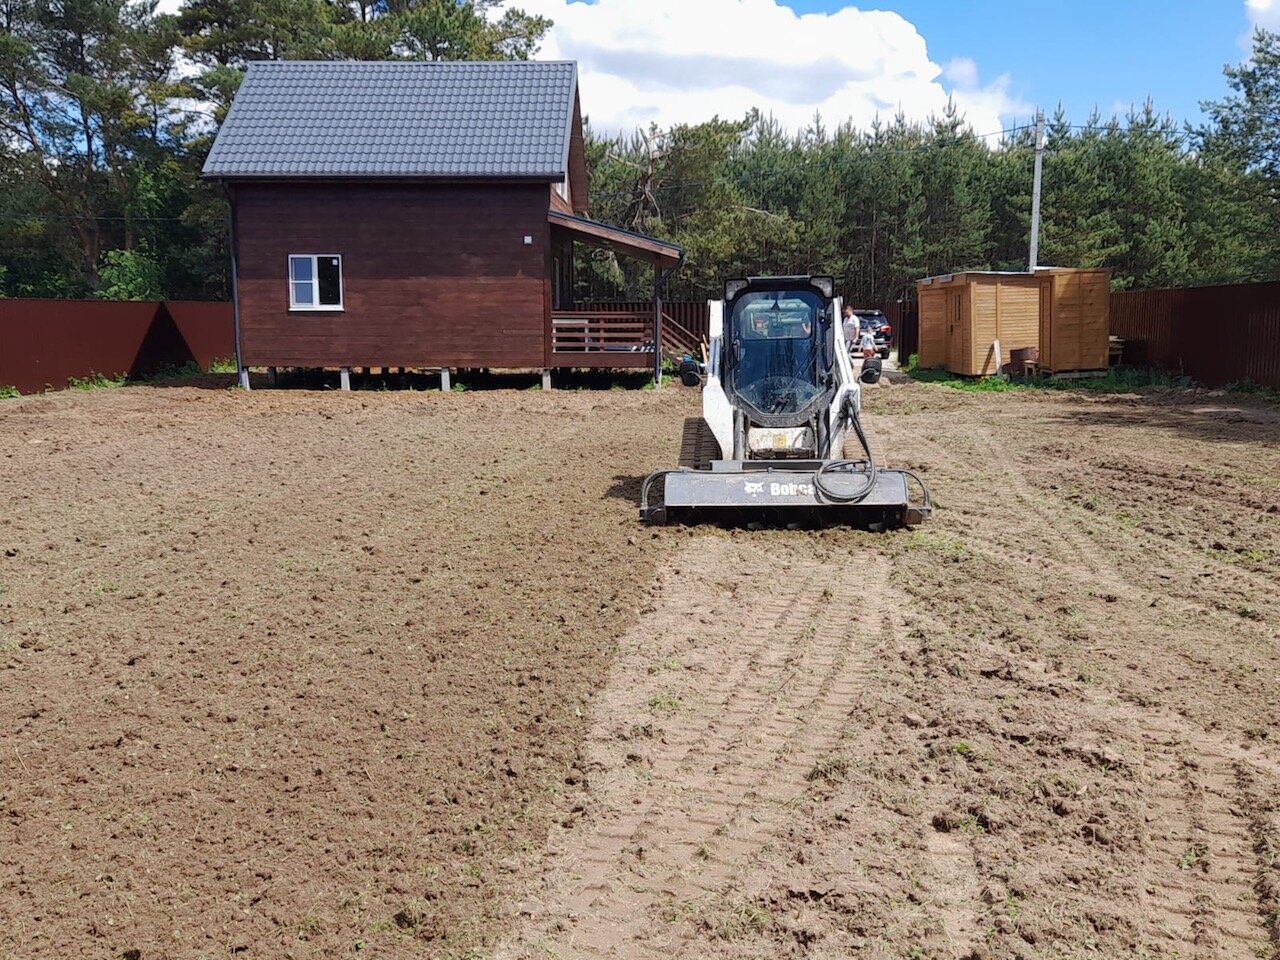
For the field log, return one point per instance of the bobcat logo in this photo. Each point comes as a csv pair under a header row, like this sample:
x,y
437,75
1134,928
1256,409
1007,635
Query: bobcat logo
x,y
753,489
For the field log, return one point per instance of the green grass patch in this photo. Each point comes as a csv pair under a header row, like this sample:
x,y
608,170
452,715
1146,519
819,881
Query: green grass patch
x,y
1115,380
97,381
9,392
1254,389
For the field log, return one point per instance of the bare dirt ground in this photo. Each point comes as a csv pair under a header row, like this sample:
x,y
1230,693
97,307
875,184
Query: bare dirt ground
x,y
317,675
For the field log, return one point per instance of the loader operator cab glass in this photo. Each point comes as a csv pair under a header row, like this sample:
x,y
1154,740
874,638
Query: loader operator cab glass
x,y
775,367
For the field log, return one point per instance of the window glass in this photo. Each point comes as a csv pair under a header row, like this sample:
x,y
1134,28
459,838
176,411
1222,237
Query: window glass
x,y
763,316
302,294
300,267
330,280
775,363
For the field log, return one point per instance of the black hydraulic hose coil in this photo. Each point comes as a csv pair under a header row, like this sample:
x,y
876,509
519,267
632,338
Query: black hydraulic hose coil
x,y
850,413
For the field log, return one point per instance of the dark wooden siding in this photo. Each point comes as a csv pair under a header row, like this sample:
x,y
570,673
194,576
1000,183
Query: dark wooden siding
x,y
433,275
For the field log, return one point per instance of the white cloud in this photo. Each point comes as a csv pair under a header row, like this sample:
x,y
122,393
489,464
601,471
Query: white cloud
x,y
961,71
673,61
1263,13
1259,13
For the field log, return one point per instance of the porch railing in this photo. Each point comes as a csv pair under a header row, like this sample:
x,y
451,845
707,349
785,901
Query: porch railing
x,y
589,338
615,338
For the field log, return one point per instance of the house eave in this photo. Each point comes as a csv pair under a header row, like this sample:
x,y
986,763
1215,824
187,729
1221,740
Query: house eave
x,y
382,177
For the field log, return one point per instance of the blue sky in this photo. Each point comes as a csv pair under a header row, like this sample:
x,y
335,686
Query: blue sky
x,y
674,61
1084,53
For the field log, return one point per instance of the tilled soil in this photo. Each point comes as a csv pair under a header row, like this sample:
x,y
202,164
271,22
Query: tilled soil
x,y
304,674
296,673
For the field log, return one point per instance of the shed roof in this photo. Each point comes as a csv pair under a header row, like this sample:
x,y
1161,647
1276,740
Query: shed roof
x,y
399,119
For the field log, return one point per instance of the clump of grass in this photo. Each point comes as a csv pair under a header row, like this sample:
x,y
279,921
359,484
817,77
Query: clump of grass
x,y
1253,388
97,381
1193,856
971,384
950,548
733,922
176,371
665,703
9,392
830,770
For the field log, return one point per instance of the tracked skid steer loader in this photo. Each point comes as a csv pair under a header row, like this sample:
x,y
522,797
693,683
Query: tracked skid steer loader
x,y
780,441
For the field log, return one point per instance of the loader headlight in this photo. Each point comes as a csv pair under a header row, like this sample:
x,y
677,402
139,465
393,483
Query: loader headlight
x,y
734,287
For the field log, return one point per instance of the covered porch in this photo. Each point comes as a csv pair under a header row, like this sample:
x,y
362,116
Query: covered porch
x,y
623,335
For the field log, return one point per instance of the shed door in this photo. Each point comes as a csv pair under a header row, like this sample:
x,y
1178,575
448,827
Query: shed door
x,y
956,339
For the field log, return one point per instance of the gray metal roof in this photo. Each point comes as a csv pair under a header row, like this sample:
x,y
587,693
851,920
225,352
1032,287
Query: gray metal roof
x,y
398,119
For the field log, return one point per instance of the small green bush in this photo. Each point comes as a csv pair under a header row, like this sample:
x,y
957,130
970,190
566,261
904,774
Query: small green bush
x,y
97,381
1253,388
9,392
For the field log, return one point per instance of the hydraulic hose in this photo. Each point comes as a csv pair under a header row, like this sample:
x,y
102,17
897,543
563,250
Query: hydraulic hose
x,y
648,483
850,413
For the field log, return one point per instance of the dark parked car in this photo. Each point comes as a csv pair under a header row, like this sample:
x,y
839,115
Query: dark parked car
x,y
878,324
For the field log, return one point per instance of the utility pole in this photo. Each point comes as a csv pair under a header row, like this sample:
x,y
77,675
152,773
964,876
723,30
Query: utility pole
x,y
1035,192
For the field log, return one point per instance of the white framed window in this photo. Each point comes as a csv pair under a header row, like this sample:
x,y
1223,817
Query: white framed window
x,y
315,281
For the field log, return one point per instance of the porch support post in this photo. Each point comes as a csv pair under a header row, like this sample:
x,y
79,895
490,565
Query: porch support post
x,y
344,378
657,323
444,380
241,367
272,376
546,379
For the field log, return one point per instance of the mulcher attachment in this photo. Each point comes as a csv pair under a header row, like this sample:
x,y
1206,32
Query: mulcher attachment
x,y
788,493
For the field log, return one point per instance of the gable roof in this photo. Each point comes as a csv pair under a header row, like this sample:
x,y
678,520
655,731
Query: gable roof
x,y
294,118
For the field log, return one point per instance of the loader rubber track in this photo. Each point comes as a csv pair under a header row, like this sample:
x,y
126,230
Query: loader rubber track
x,y
698,446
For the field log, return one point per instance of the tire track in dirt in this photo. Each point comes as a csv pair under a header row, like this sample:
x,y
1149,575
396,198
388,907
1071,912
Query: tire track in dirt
x,y
1263,812
955,888
725,700
1198,866
1207,871
1197,862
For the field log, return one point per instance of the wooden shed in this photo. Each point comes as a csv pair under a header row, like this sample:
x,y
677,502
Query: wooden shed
x,y
963,316
1063,312
1075,319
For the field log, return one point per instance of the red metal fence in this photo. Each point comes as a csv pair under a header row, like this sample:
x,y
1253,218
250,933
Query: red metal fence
x,y
904,317
1214,335
45,342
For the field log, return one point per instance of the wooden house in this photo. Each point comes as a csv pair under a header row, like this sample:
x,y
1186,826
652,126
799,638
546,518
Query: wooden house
x,y
1062,312
419,215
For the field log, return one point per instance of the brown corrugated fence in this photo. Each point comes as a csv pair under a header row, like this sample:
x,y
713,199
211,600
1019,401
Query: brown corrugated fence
x,y
45,342
1214,335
